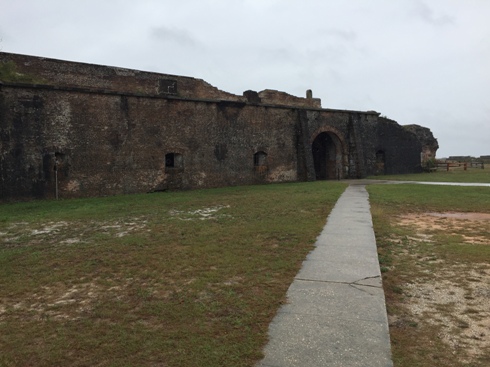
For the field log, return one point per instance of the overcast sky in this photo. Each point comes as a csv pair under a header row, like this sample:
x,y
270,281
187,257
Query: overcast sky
x,y
423,62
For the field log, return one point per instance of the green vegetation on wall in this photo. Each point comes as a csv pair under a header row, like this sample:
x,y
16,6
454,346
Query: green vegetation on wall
x,y
8,73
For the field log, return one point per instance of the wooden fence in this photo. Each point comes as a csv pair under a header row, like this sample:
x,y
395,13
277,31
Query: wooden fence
x,y
455,165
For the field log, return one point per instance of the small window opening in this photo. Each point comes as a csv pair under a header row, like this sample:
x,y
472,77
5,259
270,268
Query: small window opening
x,y
260,159
173,160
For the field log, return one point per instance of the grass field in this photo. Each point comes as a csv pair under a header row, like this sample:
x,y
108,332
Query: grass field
x,y
454,175
166,279
194,278
434,250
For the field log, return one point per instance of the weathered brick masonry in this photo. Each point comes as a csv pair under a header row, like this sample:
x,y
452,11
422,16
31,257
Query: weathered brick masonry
x,y
90,130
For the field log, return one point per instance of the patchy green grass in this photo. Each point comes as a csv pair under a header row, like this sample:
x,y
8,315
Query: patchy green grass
x,y
166,279
477,175
409,197
436,272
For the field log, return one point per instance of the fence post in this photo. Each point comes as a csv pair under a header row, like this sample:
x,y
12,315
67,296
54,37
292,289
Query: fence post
x,y
56,179
465,165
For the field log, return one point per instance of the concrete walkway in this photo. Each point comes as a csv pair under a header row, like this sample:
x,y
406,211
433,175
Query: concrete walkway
x,y
336,313
370,181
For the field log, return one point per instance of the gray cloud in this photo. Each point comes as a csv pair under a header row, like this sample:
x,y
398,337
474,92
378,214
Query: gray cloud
x,y
344,35
173,35
426,13
416,61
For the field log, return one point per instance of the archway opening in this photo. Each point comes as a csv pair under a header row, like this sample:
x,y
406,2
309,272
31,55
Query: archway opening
x,y
327,156
260,163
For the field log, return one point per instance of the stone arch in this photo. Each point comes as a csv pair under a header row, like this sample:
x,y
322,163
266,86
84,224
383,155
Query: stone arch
x,y
329,150
260,163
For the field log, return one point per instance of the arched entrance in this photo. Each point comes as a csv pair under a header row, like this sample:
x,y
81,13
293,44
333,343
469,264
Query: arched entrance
x,y
327,156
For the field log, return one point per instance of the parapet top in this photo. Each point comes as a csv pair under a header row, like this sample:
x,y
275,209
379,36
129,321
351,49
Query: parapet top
x,y
278,98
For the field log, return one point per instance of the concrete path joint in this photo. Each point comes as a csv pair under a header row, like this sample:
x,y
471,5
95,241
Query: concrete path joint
x,y
348,283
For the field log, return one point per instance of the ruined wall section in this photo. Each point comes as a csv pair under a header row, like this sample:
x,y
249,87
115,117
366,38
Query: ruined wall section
x,y
111,143
396,150
278,98
97,130
106,144
60,73
429,143
45,133
30,141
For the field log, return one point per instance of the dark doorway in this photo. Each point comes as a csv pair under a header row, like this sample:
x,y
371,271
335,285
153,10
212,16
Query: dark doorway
x,y
327,156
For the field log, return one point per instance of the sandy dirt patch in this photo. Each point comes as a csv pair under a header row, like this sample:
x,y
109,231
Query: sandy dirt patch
x,y
58,301
200,214
457,300
21,234
456,297
467,225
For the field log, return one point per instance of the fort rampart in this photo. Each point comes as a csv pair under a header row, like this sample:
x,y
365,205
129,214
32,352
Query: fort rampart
x,y
76,130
